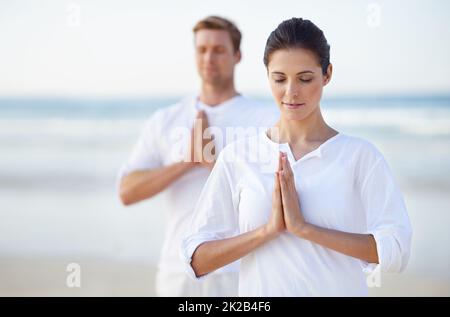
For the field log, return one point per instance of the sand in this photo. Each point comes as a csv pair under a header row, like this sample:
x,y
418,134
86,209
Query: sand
x,y
101,277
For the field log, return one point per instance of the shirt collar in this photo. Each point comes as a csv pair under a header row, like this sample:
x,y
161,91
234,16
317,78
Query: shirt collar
x,y
284,147
197,105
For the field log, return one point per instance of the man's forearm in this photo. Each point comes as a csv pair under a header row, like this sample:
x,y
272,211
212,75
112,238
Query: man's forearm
x,y
140,185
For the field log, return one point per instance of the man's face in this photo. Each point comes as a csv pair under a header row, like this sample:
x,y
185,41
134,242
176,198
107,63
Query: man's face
x,y
215,56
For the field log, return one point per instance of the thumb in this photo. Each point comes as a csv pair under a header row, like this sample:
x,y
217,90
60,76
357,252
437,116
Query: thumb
x,y
277,182
282,181
204,119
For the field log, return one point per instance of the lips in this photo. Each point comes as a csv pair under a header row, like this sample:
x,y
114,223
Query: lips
x,y
209,68
293,105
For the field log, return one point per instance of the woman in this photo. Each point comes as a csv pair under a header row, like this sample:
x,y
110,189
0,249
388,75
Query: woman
x,y
315,222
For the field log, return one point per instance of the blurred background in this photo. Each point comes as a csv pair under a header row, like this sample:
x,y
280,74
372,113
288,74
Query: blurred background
x,y
79,78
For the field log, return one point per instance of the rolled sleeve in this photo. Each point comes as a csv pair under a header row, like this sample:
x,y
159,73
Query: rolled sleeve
x,y
387,220
188,247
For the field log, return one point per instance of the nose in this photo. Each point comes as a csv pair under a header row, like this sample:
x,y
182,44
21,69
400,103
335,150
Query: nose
x,y
292,90
209,57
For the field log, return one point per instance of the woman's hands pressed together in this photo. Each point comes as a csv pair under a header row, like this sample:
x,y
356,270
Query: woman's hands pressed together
x,y
276,223
286,212
293,216
287,216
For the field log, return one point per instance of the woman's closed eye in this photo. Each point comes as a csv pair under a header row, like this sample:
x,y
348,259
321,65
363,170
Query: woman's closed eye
x,y
303,80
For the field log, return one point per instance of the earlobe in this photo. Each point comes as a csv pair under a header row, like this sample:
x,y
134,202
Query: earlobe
x,y
328,74
238,55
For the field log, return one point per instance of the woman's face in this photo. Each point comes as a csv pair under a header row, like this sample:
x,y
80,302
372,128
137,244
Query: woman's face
x,y
296,81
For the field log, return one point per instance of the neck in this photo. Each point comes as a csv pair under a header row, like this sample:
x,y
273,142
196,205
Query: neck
x,y
310,129
213,95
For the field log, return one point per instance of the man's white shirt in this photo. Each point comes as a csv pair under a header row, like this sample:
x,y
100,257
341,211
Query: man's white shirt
x,y
165,139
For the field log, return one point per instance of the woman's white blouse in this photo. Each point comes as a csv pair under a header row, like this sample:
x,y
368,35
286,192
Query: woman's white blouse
x,y
345,184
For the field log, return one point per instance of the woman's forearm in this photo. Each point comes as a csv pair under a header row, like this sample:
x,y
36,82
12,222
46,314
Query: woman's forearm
x,y
361,246
212,255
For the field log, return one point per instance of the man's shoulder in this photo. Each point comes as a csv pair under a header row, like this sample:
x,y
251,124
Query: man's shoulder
x,y
260,111
252,103
237,149
166,114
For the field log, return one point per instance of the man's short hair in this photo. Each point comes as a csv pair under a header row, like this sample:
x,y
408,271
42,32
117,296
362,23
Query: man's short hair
x,y
219,23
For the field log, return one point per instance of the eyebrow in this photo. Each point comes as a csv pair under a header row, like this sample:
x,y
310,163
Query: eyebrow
x,y
218,45
300,73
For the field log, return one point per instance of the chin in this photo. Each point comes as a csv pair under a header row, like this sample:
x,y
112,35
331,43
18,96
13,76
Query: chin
x,y
294,115
212,80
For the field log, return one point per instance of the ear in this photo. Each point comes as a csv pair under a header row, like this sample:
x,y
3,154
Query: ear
x,y
327,76
237,57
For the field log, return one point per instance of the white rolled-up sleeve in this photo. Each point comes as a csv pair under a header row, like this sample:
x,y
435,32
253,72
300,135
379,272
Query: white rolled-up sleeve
x,y
387,219
215,216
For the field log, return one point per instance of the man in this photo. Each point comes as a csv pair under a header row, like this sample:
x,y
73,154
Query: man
x,y
164,159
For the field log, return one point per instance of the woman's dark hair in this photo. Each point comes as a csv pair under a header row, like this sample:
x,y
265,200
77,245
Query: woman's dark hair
x,y
299,33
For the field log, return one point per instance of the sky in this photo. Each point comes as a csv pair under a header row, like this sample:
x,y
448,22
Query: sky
x,y
134,48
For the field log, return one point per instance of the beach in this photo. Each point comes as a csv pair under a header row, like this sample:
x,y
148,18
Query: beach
x,y
59,200
47,277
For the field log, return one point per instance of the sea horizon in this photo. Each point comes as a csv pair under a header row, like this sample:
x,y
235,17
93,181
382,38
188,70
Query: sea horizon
x,y
60,157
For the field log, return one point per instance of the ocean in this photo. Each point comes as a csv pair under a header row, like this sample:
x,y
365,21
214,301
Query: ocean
x,y
59,158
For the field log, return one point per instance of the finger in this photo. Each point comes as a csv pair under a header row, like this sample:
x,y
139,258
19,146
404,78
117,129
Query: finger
x,y
280,163
284,188
204,119
288,181
277,199
200,120
283,183
288,167
197,138
277,181
283,162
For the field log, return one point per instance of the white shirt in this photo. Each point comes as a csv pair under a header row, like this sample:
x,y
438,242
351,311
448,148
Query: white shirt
x,y
165,140
345,184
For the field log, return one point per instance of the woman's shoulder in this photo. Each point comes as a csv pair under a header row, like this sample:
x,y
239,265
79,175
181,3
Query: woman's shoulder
x,y
239,149
359,143
364,152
